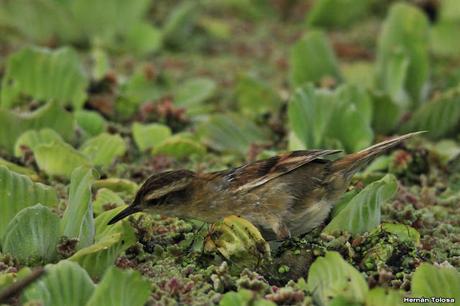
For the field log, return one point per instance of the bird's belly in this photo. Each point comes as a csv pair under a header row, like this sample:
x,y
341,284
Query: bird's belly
x,y
300,222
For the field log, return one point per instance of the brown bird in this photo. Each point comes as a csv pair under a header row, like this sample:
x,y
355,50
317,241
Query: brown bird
x,y
288,194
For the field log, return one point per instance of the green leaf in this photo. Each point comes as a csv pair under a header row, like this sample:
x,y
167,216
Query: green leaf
x,y
430,281
104,197
18,192
439,117
320,118
362,213
255,96
32,235
179,24
357,73
405,30
404,232
309,114
117,185
32,138
231,133
138,89
394,76
104,230
48,17
101,64
354,139
77,221
92,123
194,92
353,94
142,39
442,43
19,169
337,13
121,288
449,10
44,75
341,301
149,135
384,297
179,147
386,114
51,115
97,257
331,276
64,283
110,26
312,59
9,278
238,240
243,297
59,158
103,149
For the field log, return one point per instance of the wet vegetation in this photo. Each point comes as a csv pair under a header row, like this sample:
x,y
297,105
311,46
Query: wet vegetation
x,y
96,96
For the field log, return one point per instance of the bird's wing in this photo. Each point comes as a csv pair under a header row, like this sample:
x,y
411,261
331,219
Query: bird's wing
x,y
257,173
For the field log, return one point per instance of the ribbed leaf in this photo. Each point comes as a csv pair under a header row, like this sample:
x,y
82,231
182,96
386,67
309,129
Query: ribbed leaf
x,y
31,139
18,192
335,13
121,288
312,59
142,39
238,240
179,147
105,196
32,235
243,297
48,17
52,115
362,213
386,114
331,276
384,297
119,17
117,185
103,149
439,117
179,23
150,135
65,283
194,92
110,242
393,78
44,75
92,123
77,221
59,158
404,232
97,257
255,96
232,133
19,169
320,118
406,30
104,230
430,281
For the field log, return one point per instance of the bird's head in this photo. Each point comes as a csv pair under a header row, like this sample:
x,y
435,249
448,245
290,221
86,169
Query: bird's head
x,y
162,193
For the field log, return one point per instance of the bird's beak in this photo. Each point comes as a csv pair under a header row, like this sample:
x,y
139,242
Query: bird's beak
x,y
131,209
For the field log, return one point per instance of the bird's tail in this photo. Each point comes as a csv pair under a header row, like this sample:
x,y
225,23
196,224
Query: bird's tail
x,y
352,163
